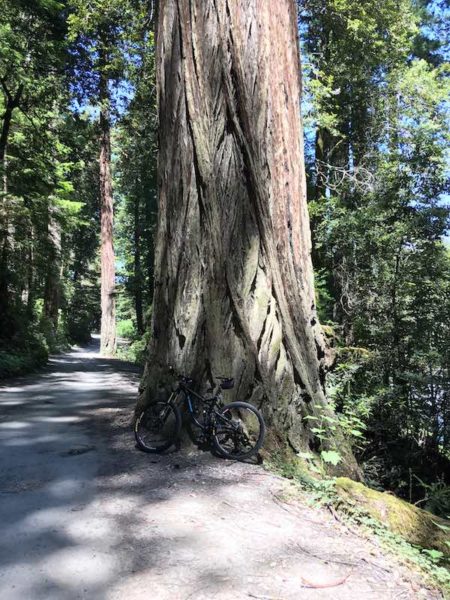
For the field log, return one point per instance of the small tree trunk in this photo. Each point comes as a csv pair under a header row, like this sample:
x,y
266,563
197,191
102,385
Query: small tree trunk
x,y
321,157
52,290
30,276
150,241
234,290
7,118
108,275
138,280
11,102
4,222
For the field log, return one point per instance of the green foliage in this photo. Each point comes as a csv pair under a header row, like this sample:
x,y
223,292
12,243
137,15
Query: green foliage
x,y
126,329
52,56
49,198
437,497
377,132
56,341
106,40
27,351
16,363
135,351
331,457
134,145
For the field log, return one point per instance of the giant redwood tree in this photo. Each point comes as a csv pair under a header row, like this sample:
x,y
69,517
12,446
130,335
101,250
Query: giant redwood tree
x,y
234,289
107,258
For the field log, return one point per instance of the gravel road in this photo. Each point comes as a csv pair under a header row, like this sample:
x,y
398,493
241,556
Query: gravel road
x,y
84,515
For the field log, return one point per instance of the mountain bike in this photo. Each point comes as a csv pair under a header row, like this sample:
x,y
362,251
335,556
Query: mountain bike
x,y
234,430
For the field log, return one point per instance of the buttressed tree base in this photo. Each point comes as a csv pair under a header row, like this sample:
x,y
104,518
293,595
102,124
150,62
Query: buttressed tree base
x,y
234,288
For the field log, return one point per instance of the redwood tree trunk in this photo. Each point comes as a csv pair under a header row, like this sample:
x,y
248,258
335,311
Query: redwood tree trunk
x,y
52,292
108,275
137,286
234,289
4,241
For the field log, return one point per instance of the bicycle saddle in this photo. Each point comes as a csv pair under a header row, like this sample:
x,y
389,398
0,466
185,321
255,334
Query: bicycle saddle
x,y
227,383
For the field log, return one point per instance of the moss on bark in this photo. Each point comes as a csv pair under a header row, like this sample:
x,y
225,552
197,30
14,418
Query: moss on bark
x,y
415,525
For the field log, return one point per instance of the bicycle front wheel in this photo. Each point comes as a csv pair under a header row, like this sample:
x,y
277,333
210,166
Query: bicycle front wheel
x,y
239,431
158,427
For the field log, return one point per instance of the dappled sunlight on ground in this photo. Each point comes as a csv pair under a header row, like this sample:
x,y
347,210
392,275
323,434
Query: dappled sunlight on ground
x,y
52,544
83,514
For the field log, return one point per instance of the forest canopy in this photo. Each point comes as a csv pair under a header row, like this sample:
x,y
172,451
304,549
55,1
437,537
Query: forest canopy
x,y
79,209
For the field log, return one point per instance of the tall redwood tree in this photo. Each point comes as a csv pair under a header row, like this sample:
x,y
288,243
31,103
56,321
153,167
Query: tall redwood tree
x,y
107,258
234,289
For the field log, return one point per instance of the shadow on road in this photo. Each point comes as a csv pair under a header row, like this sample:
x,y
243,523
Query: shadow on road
x,y
84,515
75,494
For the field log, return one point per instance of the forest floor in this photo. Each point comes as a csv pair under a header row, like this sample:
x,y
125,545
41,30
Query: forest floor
x,y
83,514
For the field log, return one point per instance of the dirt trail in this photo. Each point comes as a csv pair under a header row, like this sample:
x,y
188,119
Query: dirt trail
x,y
83,514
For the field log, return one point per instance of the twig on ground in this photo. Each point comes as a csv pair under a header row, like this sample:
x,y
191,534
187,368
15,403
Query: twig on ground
x,y
284,505
264,474
376,565
324,559
360,534
339,520
238,508
263,597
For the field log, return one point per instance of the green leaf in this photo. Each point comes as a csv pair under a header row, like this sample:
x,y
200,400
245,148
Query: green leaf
x,y
317,429
356,432
434,554
331,457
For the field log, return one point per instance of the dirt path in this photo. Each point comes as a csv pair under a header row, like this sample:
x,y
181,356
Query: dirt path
x,y
83,514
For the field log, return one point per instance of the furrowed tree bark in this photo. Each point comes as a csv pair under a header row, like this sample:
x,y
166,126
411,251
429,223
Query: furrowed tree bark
x,y
234,289
52,291
4,250
138,284
108,274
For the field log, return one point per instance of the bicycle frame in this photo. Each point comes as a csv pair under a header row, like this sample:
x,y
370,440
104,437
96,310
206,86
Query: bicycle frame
x,y
188,393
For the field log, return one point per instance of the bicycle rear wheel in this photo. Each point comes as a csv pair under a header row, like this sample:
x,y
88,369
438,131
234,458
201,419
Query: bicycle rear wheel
x,y
158,427
240,431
